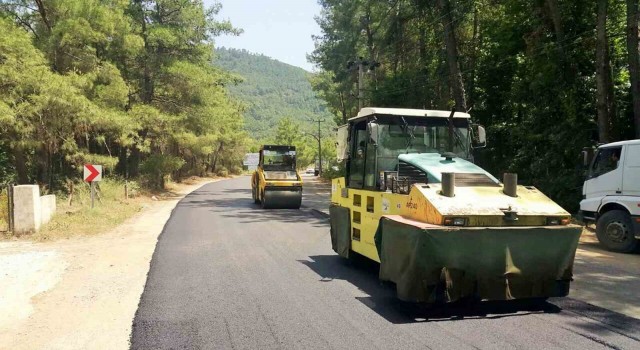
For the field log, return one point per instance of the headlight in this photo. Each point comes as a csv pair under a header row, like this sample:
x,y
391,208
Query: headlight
x,y
557,221
455,221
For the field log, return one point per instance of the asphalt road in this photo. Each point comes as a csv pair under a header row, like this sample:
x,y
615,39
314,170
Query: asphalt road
x,y
226,274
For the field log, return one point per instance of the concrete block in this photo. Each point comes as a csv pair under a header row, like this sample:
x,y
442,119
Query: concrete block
x,y
27,208
47,207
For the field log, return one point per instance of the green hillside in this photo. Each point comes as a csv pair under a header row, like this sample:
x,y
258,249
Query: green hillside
x,y
271,90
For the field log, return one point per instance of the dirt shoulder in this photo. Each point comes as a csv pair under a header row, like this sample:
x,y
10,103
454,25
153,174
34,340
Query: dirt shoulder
x,y
82,292
606,279
316,193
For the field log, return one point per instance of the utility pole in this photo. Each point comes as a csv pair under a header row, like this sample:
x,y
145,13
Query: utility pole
x,y
360,85
362,66
319,138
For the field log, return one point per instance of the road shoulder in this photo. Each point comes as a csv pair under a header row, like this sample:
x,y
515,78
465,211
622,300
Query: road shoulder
x,y
82,292
316,194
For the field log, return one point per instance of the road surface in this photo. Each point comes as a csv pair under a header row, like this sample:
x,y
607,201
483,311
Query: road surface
x,y
226,274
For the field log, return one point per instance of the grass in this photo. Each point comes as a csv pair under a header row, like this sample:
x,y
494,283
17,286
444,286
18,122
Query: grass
x,y
4,210
80,219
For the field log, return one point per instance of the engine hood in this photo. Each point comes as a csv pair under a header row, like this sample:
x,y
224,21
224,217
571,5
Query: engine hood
x,y
434,165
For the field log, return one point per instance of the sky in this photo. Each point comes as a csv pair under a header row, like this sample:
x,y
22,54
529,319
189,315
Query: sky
x,y
280,29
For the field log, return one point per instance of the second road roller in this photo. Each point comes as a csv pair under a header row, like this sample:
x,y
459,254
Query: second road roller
x,y
276,184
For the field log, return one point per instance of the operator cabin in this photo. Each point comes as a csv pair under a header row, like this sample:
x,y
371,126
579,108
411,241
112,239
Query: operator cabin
x,y
410,139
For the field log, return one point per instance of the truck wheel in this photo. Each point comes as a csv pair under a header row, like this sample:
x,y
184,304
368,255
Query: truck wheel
x,y
615,231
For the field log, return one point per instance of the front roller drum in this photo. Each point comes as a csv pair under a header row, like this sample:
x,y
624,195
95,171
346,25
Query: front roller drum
x,y
282,198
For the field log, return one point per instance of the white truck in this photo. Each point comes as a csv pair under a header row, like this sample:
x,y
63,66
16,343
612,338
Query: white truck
x,y
611,195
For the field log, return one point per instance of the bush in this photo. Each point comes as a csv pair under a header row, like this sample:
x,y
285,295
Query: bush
x,y
4,209
158,166
222,172
333,170
133,188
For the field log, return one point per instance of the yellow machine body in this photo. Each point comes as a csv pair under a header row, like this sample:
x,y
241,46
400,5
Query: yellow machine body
x,y
441,227
478,206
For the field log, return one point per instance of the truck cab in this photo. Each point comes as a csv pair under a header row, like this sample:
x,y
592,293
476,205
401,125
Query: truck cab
x,y
611,195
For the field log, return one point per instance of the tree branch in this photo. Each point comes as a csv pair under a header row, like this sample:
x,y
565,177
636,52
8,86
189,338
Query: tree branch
x,y
43,14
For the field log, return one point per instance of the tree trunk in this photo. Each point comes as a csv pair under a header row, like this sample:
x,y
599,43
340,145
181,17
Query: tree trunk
x,y
43,14
634,63
21,165
602,103
147,82
42,164
554,12
474,56
343,108
134,162
122,166
611,100
371,47
216,157
455,76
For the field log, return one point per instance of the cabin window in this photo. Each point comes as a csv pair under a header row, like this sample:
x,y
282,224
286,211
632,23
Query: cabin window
x,y
358,156
357,200
357,217
606,160
370,204
356,234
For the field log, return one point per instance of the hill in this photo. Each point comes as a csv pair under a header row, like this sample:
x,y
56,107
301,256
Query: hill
x,y
271,90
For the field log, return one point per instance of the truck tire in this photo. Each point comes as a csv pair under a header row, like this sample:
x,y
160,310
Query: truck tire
x,y
615,231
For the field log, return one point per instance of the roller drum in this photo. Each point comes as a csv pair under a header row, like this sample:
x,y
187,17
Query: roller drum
x,y
280,198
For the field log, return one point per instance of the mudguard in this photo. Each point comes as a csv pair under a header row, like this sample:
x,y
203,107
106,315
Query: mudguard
x,y
340,230
432,263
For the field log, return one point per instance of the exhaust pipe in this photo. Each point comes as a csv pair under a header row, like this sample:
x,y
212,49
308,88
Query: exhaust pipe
x,y
510,182
448,184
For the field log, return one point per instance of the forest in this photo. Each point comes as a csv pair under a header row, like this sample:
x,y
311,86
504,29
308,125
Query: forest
x,y
126,84
280,104
130,84
546,77
271,89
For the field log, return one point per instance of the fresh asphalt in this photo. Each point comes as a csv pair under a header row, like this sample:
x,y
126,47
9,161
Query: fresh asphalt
x,y
226,274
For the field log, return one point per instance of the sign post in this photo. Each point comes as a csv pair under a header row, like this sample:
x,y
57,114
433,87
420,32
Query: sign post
x,y
93,192
92,174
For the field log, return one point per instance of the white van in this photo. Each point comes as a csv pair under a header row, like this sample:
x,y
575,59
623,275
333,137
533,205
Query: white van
x,y
611,195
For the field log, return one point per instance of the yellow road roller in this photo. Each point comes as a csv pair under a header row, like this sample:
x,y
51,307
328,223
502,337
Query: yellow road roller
x,y
441,227
276,184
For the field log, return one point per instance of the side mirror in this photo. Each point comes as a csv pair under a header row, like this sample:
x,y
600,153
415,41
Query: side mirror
x,y
372,131
478,136
342,143
587,156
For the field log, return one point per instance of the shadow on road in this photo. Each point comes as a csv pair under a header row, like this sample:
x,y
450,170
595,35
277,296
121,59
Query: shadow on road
x,y
238,204
363,273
